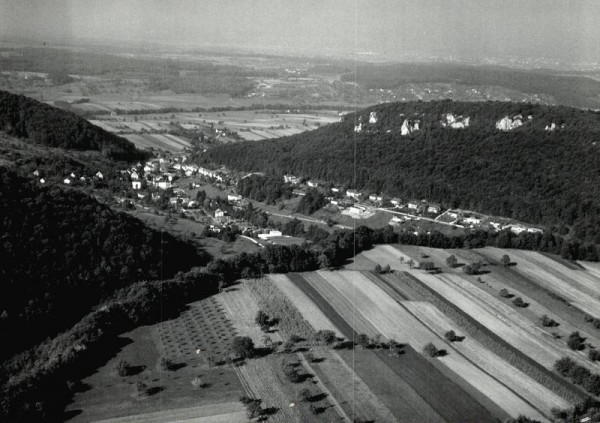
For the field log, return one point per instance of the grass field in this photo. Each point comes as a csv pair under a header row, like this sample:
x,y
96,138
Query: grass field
x,y
232,412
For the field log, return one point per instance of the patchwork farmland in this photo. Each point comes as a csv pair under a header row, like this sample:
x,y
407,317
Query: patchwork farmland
x,y
417,343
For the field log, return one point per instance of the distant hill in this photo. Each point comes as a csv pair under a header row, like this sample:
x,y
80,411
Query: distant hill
x,y
62,252
575,90
528,173
40,123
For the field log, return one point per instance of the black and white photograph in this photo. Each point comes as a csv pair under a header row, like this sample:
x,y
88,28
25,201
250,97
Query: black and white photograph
x,y
300,211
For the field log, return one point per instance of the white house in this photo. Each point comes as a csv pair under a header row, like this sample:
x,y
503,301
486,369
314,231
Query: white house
x,y
334,189
313,184
99,175
291,179
234,198
472,220
134,175
164,184
271,234
413,205
433,208
219,213
136,184
67,181
395,201
42,181
373,117
353,193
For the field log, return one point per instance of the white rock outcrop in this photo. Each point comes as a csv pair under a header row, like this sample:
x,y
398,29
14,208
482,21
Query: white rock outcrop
x,y
508,124
373,117
455,122
408,128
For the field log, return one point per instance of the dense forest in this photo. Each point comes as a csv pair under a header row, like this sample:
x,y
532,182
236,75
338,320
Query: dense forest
x,y
542,177
40,123
62,252
566,89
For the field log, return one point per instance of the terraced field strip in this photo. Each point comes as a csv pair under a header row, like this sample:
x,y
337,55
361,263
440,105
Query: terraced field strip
x,y
241,307
394,392
441,298
523,334
534,393
501,277
303,303
352,322
518,283
349,389
227,412
386,254
549,278
592,267
388,282
396,322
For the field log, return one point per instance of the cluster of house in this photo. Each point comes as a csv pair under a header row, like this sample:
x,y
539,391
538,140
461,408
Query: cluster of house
x,y
72,178
471,220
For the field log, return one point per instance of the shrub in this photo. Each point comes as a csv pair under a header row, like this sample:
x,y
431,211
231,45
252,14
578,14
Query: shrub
x,y
291,373
431,350
288,346
579,374
548,322
243,346
386,269
575,341
518,301
315,410
592,384
253,407
505,260
377,268
295,338
427,265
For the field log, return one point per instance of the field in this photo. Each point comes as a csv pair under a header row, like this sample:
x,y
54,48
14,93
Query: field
x,y
165,142
172,397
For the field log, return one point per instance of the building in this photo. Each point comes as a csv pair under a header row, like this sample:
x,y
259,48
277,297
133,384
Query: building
x,y
334,189
413,205
433,208
353,194
219,213
291,179
375,197
395,201
234,198
163,184
271,234
313,184
136,184
472,220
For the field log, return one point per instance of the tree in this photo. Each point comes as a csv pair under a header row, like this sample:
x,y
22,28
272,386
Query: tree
x,y
142,389
427,265
377,268
363,340
518,301
243,346
452,261
431,350
504,293
548,322
451,336
594,354
575,341
564,366
197,382
123,368
262,319
505,260
166,364
386,269
305,395
326,337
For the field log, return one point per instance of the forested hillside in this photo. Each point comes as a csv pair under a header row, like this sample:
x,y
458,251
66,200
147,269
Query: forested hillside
x,y
528,173
24,117
62,252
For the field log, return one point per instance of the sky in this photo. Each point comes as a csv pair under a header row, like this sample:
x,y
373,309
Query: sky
x,y
462,28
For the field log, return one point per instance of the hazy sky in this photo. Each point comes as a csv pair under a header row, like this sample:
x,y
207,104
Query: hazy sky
x,y
475,28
